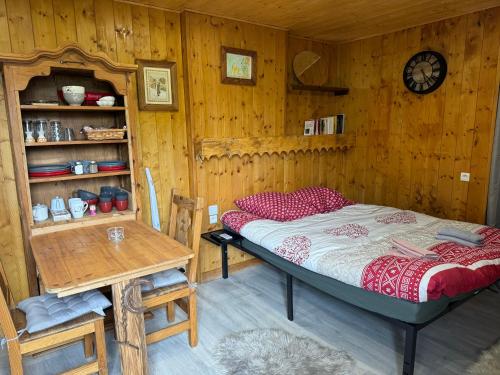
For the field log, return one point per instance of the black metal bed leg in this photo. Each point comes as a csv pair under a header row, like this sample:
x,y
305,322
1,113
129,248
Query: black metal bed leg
x,y
410,349
289,296
223,249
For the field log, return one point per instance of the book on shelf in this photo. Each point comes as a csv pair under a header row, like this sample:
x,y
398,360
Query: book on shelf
x,y
309,126
340,123
325,125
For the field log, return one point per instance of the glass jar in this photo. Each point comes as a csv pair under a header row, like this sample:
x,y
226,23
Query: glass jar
x,y
93,167
29,131
41,130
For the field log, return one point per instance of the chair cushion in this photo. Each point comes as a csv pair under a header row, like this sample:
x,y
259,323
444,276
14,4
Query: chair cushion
x,y
164,278
46,311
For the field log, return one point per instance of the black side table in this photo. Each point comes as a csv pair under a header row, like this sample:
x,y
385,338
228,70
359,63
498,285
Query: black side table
x,y
214,237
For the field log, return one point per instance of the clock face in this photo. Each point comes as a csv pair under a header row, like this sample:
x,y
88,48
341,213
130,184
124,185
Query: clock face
x,y
424,72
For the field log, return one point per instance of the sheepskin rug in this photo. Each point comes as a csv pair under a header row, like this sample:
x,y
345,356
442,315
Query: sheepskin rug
x,y
488,363
277,352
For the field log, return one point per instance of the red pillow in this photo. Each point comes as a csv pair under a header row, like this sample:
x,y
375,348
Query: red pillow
x,y
292,206
322,198
276,206
313,196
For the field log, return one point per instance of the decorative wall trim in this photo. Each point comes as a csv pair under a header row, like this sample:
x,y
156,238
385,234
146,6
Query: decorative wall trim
x,y
220,147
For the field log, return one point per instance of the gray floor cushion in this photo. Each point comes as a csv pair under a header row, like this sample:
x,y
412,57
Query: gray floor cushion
x,y
164,278
48,310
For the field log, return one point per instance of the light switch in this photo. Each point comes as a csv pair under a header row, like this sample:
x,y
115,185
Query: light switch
x,y
213,219
464,176
213,209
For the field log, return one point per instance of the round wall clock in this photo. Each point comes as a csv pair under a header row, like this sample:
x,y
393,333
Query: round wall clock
x,y
424,72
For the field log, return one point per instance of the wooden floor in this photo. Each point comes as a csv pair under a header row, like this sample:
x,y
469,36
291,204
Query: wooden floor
x,y
254,298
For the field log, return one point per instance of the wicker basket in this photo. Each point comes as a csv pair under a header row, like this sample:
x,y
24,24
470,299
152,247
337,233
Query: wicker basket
x,y
104,134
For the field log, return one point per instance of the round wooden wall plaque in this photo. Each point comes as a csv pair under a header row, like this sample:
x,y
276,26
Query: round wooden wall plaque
x,y
310,68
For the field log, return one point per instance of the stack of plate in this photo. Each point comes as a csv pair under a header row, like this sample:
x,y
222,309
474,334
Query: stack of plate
x,y
48,170
111,165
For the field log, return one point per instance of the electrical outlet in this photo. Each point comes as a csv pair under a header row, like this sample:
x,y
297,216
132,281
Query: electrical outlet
x,y
213,209
465,176
213,219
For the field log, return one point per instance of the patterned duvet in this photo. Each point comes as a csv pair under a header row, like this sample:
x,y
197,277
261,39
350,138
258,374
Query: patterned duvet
x,y
353,245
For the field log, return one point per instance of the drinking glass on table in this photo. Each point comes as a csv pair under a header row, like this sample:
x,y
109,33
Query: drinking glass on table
x,y
116,234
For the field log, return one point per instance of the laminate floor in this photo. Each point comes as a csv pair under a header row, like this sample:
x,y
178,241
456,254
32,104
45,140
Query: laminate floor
x,y
255,298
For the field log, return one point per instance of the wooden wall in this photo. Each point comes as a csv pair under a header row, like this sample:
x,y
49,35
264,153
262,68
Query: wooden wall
x,y
26,25
218,111
411,148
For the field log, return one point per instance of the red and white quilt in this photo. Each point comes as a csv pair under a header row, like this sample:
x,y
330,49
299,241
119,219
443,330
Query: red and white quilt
x,y
353,245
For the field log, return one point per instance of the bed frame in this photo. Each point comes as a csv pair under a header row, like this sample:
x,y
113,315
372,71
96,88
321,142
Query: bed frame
x,y
411,329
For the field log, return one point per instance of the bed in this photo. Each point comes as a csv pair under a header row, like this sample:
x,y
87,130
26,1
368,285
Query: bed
x,y
347,254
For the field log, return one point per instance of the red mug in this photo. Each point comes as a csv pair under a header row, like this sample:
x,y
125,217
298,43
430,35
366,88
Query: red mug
x,y
121,205
105,207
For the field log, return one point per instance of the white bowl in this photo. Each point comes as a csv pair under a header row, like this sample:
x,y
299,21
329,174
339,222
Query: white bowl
x,y
108,98
74,98
73,89
105,103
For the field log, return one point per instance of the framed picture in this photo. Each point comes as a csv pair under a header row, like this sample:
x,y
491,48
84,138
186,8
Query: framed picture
x,y
239,66
157,85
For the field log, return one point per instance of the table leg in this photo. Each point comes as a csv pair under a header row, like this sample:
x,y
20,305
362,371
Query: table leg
x,y
223,248
130,333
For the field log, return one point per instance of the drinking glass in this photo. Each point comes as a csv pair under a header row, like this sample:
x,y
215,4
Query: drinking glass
x,y
69,134
56,133
116,234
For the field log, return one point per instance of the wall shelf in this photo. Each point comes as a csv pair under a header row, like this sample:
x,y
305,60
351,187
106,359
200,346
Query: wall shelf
x,y
70,108
68,177
76,143
215,147
337,91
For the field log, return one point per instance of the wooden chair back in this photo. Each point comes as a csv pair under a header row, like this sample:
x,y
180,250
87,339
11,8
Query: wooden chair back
x,y
185,226
6,303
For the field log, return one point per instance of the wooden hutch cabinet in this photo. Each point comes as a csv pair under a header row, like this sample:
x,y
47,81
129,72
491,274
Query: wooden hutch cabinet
x,y
39,76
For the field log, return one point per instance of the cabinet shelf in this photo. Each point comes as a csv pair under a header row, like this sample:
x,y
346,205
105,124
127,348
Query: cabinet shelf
x,y
76,143
70,108
328,89
49,226
69,177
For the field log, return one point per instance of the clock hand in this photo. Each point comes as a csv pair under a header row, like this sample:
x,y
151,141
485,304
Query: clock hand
x,y
425,75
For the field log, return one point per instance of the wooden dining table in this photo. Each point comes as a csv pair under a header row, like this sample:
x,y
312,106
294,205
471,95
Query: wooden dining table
x,y
76,260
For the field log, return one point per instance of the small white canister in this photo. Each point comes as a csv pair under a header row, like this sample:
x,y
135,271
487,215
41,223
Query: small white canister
x,y
40,212
78,168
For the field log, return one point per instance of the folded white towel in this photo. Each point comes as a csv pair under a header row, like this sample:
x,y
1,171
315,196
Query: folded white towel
x,y
456,240
413,250
461,234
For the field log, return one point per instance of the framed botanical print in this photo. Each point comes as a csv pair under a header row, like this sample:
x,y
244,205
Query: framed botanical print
x,y
239,66
157,85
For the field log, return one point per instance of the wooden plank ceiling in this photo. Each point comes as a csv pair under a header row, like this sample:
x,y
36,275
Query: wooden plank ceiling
x,y
332,20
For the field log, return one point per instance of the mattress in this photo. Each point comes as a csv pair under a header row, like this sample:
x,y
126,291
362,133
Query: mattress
x,y
406,311
354,246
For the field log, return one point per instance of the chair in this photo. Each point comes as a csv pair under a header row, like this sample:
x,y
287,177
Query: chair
x,y
83,328
185,227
